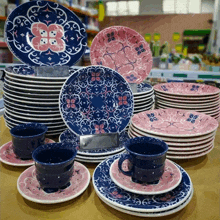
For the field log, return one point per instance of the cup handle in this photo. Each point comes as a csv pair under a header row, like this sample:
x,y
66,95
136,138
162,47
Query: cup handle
x,y
121,160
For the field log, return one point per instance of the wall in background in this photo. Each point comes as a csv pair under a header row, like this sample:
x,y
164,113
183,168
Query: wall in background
x,y
151,7
208,6
166,25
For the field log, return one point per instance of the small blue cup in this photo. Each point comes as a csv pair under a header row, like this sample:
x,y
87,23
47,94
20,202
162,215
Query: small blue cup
x,y
27,137
146,158
54,165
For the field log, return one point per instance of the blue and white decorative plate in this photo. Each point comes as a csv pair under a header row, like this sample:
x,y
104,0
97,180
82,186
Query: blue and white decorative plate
x,y
42,33
144,88
96,100
109,191
68,136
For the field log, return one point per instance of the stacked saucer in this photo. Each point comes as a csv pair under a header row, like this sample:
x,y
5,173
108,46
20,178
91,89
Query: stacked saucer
x,y
29,98
189,134
173,192
189,96
93,155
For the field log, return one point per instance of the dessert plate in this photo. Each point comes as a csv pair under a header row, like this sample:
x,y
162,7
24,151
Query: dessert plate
x,y
175,122
143,88
138,107
29,188
43,33
95,100
186,89
8,157
68,136
124,50
170,179
109,191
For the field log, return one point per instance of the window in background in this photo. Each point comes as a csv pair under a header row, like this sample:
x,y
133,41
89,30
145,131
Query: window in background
x,y
120,8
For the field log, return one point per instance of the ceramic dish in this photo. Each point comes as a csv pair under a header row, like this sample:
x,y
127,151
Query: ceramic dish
x,y
143,95
141,101
69,136
178,123
170,179
143,110
8,157
88,161
152,214
143,106
186,89
42,33
29,188
96,99
143,88
106,189
124,50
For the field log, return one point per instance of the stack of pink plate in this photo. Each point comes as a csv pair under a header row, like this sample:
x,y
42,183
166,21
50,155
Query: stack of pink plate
x,y
189,96
189,134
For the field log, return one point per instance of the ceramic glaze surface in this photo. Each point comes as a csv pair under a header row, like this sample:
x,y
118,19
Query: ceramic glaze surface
x,y
29,187
42,33
144,88
124,50
176,122
190,89
96,100
107,189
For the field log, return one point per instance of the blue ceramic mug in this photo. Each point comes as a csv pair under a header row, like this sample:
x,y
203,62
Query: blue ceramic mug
x,y
146,156
54,165
27,137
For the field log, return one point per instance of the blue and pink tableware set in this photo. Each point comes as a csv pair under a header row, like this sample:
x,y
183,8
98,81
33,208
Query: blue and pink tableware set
x,y
90,109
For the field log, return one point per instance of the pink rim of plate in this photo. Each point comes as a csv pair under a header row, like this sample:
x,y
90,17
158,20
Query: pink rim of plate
x,y
124,50
29,187
170,179
186,89
174,122
8,156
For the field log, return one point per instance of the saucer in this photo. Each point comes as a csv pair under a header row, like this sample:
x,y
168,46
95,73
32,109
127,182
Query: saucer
x,y
170,179
29,188
8,157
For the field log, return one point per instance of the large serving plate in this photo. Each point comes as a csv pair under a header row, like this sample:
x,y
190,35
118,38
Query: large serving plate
x,y
124,50
186,89
42,33
175,122
96,99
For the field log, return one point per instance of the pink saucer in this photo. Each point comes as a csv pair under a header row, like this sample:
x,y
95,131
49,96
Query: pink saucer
x,y
124,50
7,155
29,187
170,179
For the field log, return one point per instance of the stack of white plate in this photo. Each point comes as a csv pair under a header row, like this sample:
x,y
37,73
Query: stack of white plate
x,y
189,134
93,155
30,98
189,96
143,98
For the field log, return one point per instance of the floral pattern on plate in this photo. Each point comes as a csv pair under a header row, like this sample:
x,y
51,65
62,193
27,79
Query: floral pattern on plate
x,y
170,179
68,136
29,187
108,190
190,89
96,100
174,122
42,33
124,50
8,156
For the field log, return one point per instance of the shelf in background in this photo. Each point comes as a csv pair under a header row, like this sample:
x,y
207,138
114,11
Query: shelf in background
x,y
3,18
3,45
92,31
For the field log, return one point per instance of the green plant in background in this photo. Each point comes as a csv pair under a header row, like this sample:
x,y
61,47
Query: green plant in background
x,y
196,60
163,58
175,58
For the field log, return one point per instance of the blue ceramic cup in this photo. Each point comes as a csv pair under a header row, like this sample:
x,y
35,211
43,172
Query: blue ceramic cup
x,y
146,158
54,165
27,137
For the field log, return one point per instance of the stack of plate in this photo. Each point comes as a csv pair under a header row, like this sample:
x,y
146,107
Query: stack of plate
x,y
189,134
29,98
170,195
143,98
189,96
94,155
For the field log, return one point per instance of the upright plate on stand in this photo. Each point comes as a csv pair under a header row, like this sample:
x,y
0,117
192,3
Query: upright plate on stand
x,y
96,100
123,50
42,33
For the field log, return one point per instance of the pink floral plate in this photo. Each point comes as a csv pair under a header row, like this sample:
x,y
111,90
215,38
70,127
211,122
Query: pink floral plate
x,y
186,89
29,187
123,50
170,179
8,157
174,122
